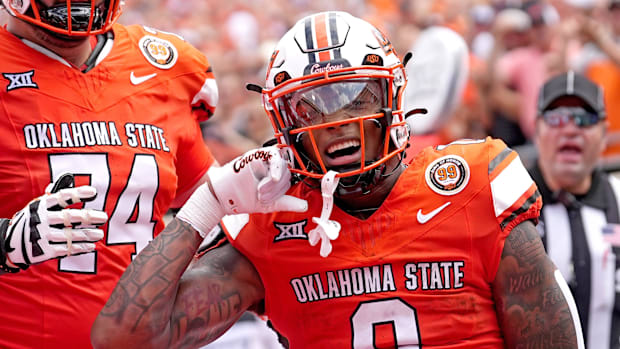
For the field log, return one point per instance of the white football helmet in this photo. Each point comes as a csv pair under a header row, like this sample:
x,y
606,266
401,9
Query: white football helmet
x,y
333,62
70,18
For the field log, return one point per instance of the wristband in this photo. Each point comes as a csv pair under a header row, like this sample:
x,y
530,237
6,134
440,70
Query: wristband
x,y
202,210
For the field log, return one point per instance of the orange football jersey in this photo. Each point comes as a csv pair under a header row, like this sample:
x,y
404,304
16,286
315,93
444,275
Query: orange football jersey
x,y
130,128
417,273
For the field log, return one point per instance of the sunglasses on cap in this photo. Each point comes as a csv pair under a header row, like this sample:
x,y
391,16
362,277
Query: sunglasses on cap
x,y
561,116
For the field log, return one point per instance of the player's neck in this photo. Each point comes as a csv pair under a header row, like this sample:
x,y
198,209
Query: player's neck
x,y
363,205
74,51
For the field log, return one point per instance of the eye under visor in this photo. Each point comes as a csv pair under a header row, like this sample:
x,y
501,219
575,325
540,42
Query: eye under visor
x,y
330,102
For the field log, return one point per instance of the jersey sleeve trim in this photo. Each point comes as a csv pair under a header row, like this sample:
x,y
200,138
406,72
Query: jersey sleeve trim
x,y
510,185
498,160
205,101
519,215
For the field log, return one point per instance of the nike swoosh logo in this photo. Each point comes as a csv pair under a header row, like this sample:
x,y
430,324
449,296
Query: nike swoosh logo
x,y
423,218
137,80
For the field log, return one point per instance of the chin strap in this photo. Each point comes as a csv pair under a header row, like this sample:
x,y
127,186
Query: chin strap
x,y
326,229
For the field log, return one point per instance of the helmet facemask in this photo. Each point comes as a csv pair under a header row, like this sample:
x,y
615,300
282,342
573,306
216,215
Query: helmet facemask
x,y
319,76
359,107
68,18
363,100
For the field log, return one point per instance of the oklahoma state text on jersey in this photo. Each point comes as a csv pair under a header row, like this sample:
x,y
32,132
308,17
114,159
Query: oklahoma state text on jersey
x,y
130,128
417,272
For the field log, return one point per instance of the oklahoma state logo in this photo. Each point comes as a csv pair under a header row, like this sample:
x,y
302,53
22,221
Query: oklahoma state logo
x,y
280,78
373,59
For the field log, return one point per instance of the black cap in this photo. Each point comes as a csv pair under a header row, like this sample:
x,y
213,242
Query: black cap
x,y
572,84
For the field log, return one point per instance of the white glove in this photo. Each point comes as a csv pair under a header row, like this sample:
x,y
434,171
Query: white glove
x,y
44,229
255,182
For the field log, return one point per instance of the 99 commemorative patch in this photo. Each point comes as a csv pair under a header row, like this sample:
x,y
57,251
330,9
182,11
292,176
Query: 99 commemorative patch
x,y
159,52
447,175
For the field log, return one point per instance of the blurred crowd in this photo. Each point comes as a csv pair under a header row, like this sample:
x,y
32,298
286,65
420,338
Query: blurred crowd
x,y
238,37
514,45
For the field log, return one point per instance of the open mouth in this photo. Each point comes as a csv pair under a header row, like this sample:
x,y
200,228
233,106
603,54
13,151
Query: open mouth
x,y
570,148
342,153
570,152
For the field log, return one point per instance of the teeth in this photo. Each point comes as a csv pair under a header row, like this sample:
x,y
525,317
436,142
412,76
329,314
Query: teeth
x,y
339,146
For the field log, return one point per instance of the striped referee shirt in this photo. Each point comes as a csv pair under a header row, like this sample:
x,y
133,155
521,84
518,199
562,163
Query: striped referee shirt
x,y
573,231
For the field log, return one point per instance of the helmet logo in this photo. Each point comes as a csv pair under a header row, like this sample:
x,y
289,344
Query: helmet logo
x,y
447,175
20,5
280,78
159,52
373,59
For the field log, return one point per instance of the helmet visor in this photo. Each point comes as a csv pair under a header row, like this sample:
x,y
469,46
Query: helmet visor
x,y
79,15
332,102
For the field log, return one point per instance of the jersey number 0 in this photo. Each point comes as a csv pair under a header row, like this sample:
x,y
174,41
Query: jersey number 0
x,y
400,319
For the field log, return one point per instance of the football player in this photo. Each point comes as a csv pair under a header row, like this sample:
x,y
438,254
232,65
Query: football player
x,y
441,253
119,108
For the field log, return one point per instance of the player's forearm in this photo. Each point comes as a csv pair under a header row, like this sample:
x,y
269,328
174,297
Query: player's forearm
x,y
140,307
533,310
214,292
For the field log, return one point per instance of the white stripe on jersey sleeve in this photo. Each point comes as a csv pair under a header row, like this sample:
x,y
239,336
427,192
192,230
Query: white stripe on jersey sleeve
x,y
235,223
509,185
208,93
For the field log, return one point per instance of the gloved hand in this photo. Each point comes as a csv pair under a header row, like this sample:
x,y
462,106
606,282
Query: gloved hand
x,y
44,229
254,182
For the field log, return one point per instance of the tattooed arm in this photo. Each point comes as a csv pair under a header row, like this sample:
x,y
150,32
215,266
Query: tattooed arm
x,y
159,301
533,309
159,304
